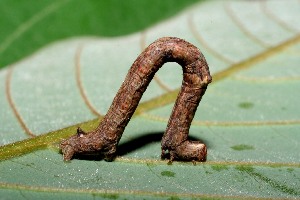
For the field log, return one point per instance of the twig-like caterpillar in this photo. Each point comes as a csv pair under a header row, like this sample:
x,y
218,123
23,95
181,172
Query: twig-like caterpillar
x,y
105,138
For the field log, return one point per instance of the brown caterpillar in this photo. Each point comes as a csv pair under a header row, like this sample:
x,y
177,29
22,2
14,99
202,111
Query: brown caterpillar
x,y
196,76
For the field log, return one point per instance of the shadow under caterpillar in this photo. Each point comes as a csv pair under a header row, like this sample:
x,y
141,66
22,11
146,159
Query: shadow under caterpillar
x,y
196,76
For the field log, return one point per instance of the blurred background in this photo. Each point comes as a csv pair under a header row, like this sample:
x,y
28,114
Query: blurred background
x,y
27,25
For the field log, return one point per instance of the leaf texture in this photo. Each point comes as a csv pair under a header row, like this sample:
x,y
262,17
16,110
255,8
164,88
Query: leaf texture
x,y
249,116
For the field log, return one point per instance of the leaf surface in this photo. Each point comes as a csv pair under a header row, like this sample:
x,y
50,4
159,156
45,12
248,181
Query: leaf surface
x,y
249,116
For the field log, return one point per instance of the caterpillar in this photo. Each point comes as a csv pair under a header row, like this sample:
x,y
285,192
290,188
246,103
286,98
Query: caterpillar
x,y
196,77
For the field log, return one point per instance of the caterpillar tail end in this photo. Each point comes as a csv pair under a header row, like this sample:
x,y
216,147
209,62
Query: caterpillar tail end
x,y
194,151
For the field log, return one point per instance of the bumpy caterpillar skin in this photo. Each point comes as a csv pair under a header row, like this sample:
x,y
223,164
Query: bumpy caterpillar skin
x,y
196,76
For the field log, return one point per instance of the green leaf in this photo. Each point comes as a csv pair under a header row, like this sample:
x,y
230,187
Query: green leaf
x,y
30,25
249,116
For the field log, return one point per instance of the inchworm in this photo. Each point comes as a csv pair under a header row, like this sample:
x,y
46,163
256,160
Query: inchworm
x,y
196,76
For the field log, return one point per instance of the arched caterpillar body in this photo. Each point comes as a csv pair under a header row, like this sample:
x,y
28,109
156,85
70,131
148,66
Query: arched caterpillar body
x,y
196,76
